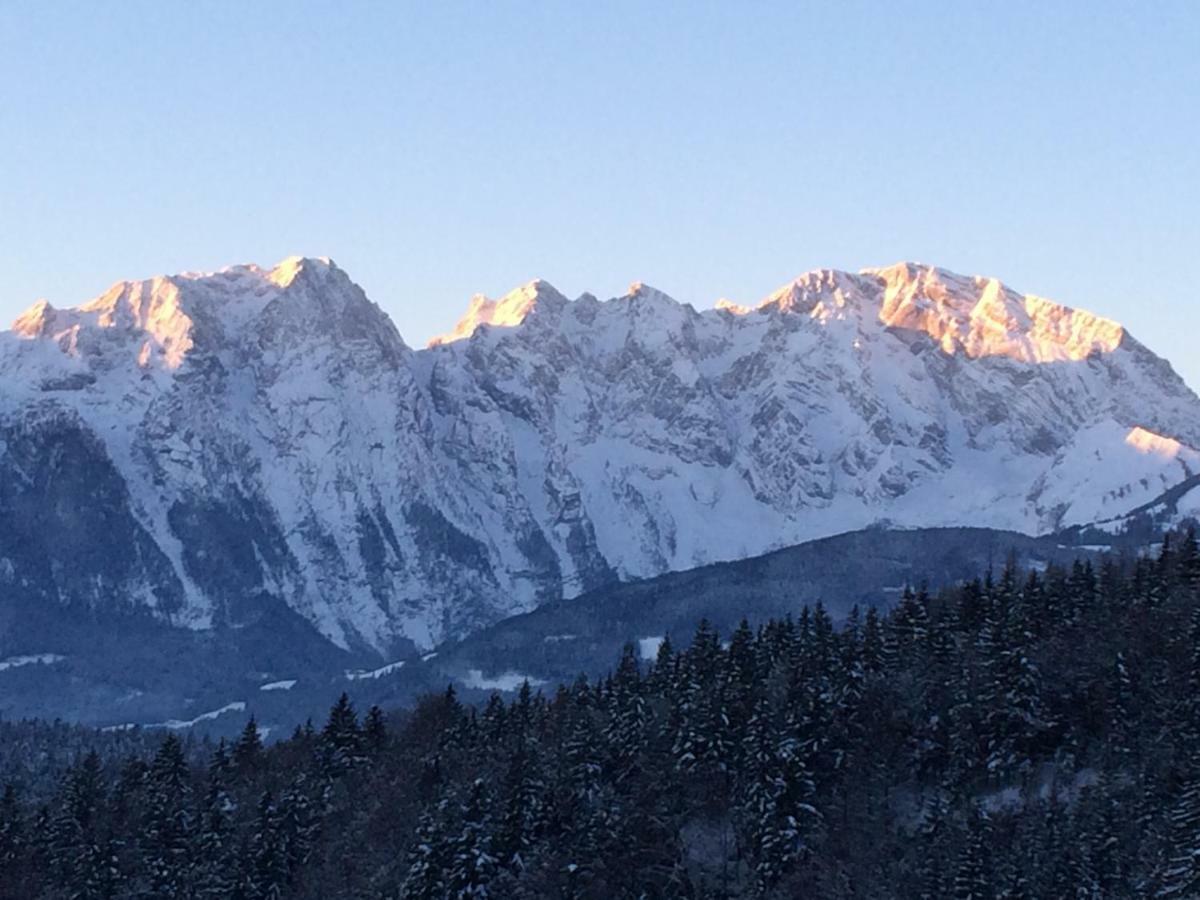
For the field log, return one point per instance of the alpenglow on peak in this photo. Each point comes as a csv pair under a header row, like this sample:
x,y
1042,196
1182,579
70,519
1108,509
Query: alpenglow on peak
x,y
509,310
970,315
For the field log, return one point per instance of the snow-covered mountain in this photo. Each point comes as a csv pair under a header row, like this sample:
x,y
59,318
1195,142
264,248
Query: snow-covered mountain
x,y
214,446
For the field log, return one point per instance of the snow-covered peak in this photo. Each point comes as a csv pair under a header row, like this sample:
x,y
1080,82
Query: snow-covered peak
x,y
152,310
641,292
291,268
982,317
822,294
159,321
510,310
35,321
968,315
733,307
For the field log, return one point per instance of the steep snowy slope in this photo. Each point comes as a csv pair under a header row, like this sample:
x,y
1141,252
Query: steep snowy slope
x,y
218,447
906,394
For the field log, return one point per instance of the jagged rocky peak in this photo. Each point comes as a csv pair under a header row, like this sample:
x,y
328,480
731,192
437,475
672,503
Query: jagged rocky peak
x,y
37,321
969,315
152,309
982,317
510,310
640,292
165,318
821,293
287,271
314,298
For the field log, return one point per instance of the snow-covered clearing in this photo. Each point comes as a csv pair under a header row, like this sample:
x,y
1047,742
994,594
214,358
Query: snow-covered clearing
x,y
361,674
648,647
509,681
180,724
42,659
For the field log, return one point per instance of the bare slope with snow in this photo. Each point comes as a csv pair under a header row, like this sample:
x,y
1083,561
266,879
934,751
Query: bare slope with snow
x,y
267,437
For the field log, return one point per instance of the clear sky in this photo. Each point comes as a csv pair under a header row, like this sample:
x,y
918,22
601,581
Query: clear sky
x,y
439,149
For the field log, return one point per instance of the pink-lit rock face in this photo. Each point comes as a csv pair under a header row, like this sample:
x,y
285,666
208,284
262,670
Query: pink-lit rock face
x,y
1148,442
982,317
548,445
154,321
974,316
509,310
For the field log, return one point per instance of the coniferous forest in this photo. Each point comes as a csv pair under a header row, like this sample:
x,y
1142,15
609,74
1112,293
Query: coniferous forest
x,y
1024,735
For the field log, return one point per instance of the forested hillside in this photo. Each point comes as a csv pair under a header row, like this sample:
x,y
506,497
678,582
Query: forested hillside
x,y
1027,734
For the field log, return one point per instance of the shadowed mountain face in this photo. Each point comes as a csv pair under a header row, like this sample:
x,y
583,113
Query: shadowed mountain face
x,y
216,451
126,666
862,569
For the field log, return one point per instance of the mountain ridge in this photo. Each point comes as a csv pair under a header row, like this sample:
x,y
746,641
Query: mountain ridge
x,y
266,436
1046,330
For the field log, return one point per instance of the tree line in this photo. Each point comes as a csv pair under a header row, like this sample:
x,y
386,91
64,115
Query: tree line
x,y
1026,734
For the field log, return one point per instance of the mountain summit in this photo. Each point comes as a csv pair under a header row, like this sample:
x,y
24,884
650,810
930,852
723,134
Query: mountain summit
x,y
510,310
216,447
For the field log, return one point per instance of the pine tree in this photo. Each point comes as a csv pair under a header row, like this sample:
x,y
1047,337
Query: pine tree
x,y
776,796
625,730
298,825
872,643
703,742
941,702
523,809
1098,821
934,870
167,825
127,803
662,674
1178,873
215,871
81,855
1012,712
1184,726
910,625
1025,718
247,751
1029,606
341,739
219,764
1057,874
738,688
431,857
12,832
1164,566
581,746
472,866
972,607
822,640
492,720
1124,731
1189,565
1082,589
972,879
375,730
266,871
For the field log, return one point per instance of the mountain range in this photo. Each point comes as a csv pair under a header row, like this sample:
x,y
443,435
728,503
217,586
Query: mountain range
x,y
212,452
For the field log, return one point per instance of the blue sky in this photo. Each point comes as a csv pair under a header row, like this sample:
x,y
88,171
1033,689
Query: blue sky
x,y
439,149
